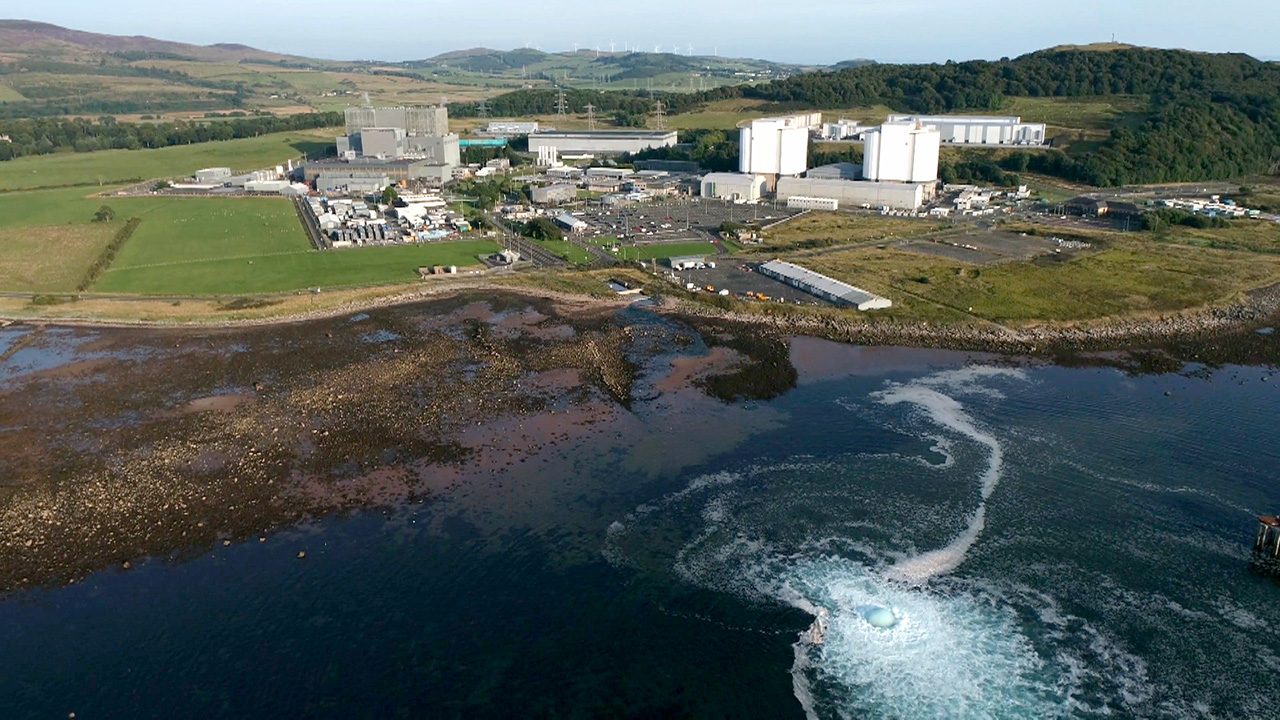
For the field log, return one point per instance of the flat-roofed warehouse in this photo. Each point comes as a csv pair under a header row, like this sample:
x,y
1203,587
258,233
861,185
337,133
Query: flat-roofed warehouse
x,y
601,142
980,129
853,193
821,286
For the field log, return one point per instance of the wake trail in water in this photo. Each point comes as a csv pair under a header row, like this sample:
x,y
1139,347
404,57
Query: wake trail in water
x,y
950,413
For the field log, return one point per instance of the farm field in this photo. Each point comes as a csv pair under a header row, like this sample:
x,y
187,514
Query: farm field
x,y
113,167
186,230
53,258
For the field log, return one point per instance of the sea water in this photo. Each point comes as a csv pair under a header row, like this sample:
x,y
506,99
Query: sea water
x,y
1050,542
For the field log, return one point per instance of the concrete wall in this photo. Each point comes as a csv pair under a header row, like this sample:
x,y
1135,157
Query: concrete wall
x,y
901,152
438,149
601,142
732,186
898,196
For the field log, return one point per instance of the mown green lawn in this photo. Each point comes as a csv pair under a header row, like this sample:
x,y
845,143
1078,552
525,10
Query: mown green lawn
x,y
183,230
650,252
113,167
567,250
293,271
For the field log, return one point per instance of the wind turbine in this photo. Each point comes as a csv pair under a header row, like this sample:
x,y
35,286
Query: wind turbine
x,y
657,48
690,51
611,46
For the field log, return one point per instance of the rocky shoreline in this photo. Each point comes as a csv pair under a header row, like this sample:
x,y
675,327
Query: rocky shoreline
x,y
1216,335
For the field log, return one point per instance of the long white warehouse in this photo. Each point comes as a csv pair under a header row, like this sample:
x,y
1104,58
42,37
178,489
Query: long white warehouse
x,y
820,285
980,130
901,152
601,142
854,193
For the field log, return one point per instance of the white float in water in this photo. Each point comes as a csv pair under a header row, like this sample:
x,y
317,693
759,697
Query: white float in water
x,y
881,617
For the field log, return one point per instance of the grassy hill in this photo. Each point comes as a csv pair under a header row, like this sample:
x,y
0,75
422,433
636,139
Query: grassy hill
x,y
47,70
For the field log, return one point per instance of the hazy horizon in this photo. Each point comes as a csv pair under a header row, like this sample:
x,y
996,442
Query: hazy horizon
x,y
882,30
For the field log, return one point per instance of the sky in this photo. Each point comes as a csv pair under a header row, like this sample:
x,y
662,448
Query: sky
x,y
818,33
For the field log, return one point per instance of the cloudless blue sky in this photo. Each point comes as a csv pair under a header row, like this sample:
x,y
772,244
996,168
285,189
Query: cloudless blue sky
x,y
885,30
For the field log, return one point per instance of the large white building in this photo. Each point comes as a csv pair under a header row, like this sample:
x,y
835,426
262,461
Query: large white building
x,y
856,193
777,146
601,142
733,186
901,152
980,130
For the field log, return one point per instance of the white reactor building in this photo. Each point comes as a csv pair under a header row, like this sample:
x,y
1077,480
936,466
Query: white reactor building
x,y
901,152
777,146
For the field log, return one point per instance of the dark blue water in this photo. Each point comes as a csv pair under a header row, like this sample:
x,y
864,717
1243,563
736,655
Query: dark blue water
x,y
668,571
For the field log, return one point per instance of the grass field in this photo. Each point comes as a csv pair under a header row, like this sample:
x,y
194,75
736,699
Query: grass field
x,y
48,207
1097,114
192,246
822,229
185,230
1254,235
110,167
51,259
293,271
1131,276
652,252
567,250
8,94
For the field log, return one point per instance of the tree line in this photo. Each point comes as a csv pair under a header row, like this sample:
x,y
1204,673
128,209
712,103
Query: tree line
x,y
41,136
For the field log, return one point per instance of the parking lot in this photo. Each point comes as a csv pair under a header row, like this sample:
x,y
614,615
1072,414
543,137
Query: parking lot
x,y
740,278
691,218
983,247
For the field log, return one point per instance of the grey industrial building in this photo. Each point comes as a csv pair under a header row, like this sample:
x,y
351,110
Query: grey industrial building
x,y
821,286
850,193
551,194
394,133
397,171
732,186
836,171
601,142
432,120
510,128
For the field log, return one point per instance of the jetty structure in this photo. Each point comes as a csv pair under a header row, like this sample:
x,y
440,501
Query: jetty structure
x,y
1266,548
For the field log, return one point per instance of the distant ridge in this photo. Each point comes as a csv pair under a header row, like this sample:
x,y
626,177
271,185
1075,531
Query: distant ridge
x,y
1095,47
27,36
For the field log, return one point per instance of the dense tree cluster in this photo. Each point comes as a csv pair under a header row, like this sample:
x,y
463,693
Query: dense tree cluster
x,y
1211,116
49,135
714,150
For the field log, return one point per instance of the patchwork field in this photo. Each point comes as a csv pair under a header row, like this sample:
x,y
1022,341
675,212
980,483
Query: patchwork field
x,y
192,246
110,167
